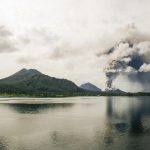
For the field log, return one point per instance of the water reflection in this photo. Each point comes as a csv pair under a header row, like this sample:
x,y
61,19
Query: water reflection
x,y
77,124
136,114
36,108
130,118
4,144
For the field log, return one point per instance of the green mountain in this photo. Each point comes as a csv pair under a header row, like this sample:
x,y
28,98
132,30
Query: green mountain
x,y
90,87
33,81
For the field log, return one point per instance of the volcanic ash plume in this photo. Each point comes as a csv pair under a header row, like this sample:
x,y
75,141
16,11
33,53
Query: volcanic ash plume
x,y
130,55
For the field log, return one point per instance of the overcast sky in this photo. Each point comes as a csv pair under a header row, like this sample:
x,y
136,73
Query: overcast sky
x,y
61,38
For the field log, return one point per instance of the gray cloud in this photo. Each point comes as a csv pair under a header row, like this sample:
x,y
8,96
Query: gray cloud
x,y
41,35
7,43
26,59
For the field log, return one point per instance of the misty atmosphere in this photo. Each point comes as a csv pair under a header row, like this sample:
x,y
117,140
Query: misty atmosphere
x,y
74,75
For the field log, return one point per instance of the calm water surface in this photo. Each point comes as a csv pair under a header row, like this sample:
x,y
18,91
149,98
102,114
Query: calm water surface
x,y
81,123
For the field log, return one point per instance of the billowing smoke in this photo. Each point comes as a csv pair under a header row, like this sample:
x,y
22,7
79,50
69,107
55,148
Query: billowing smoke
x,y
130,55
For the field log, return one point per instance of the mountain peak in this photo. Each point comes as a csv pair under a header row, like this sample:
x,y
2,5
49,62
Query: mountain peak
x,y
90,87
23,70
27,71
34,71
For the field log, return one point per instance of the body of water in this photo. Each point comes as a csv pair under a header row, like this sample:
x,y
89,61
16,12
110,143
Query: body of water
x,y
81,123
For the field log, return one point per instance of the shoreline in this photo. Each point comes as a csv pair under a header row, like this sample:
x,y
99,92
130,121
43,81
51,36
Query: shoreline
x,y
49,95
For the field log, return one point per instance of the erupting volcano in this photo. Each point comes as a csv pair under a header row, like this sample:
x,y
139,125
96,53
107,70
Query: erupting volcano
x,y
130,56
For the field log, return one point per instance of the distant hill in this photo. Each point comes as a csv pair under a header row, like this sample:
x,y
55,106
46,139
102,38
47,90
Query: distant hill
x,y
90,87
114,90
33,81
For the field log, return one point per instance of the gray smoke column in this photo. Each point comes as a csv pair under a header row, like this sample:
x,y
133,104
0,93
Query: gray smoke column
x,y
129,55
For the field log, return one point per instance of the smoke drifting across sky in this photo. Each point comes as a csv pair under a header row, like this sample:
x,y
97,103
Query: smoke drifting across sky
x,y
63,38
130,55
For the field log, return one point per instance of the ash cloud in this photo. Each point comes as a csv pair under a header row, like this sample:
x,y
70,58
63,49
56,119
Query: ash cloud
x,y
7,43
129,55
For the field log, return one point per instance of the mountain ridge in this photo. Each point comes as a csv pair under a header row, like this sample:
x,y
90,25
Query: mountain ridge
x,y
31,82
90,87
34,81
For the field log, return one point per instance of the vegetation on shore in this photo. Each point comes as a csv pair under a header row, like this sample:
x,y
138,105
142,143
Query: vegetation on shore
x,y
68,94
